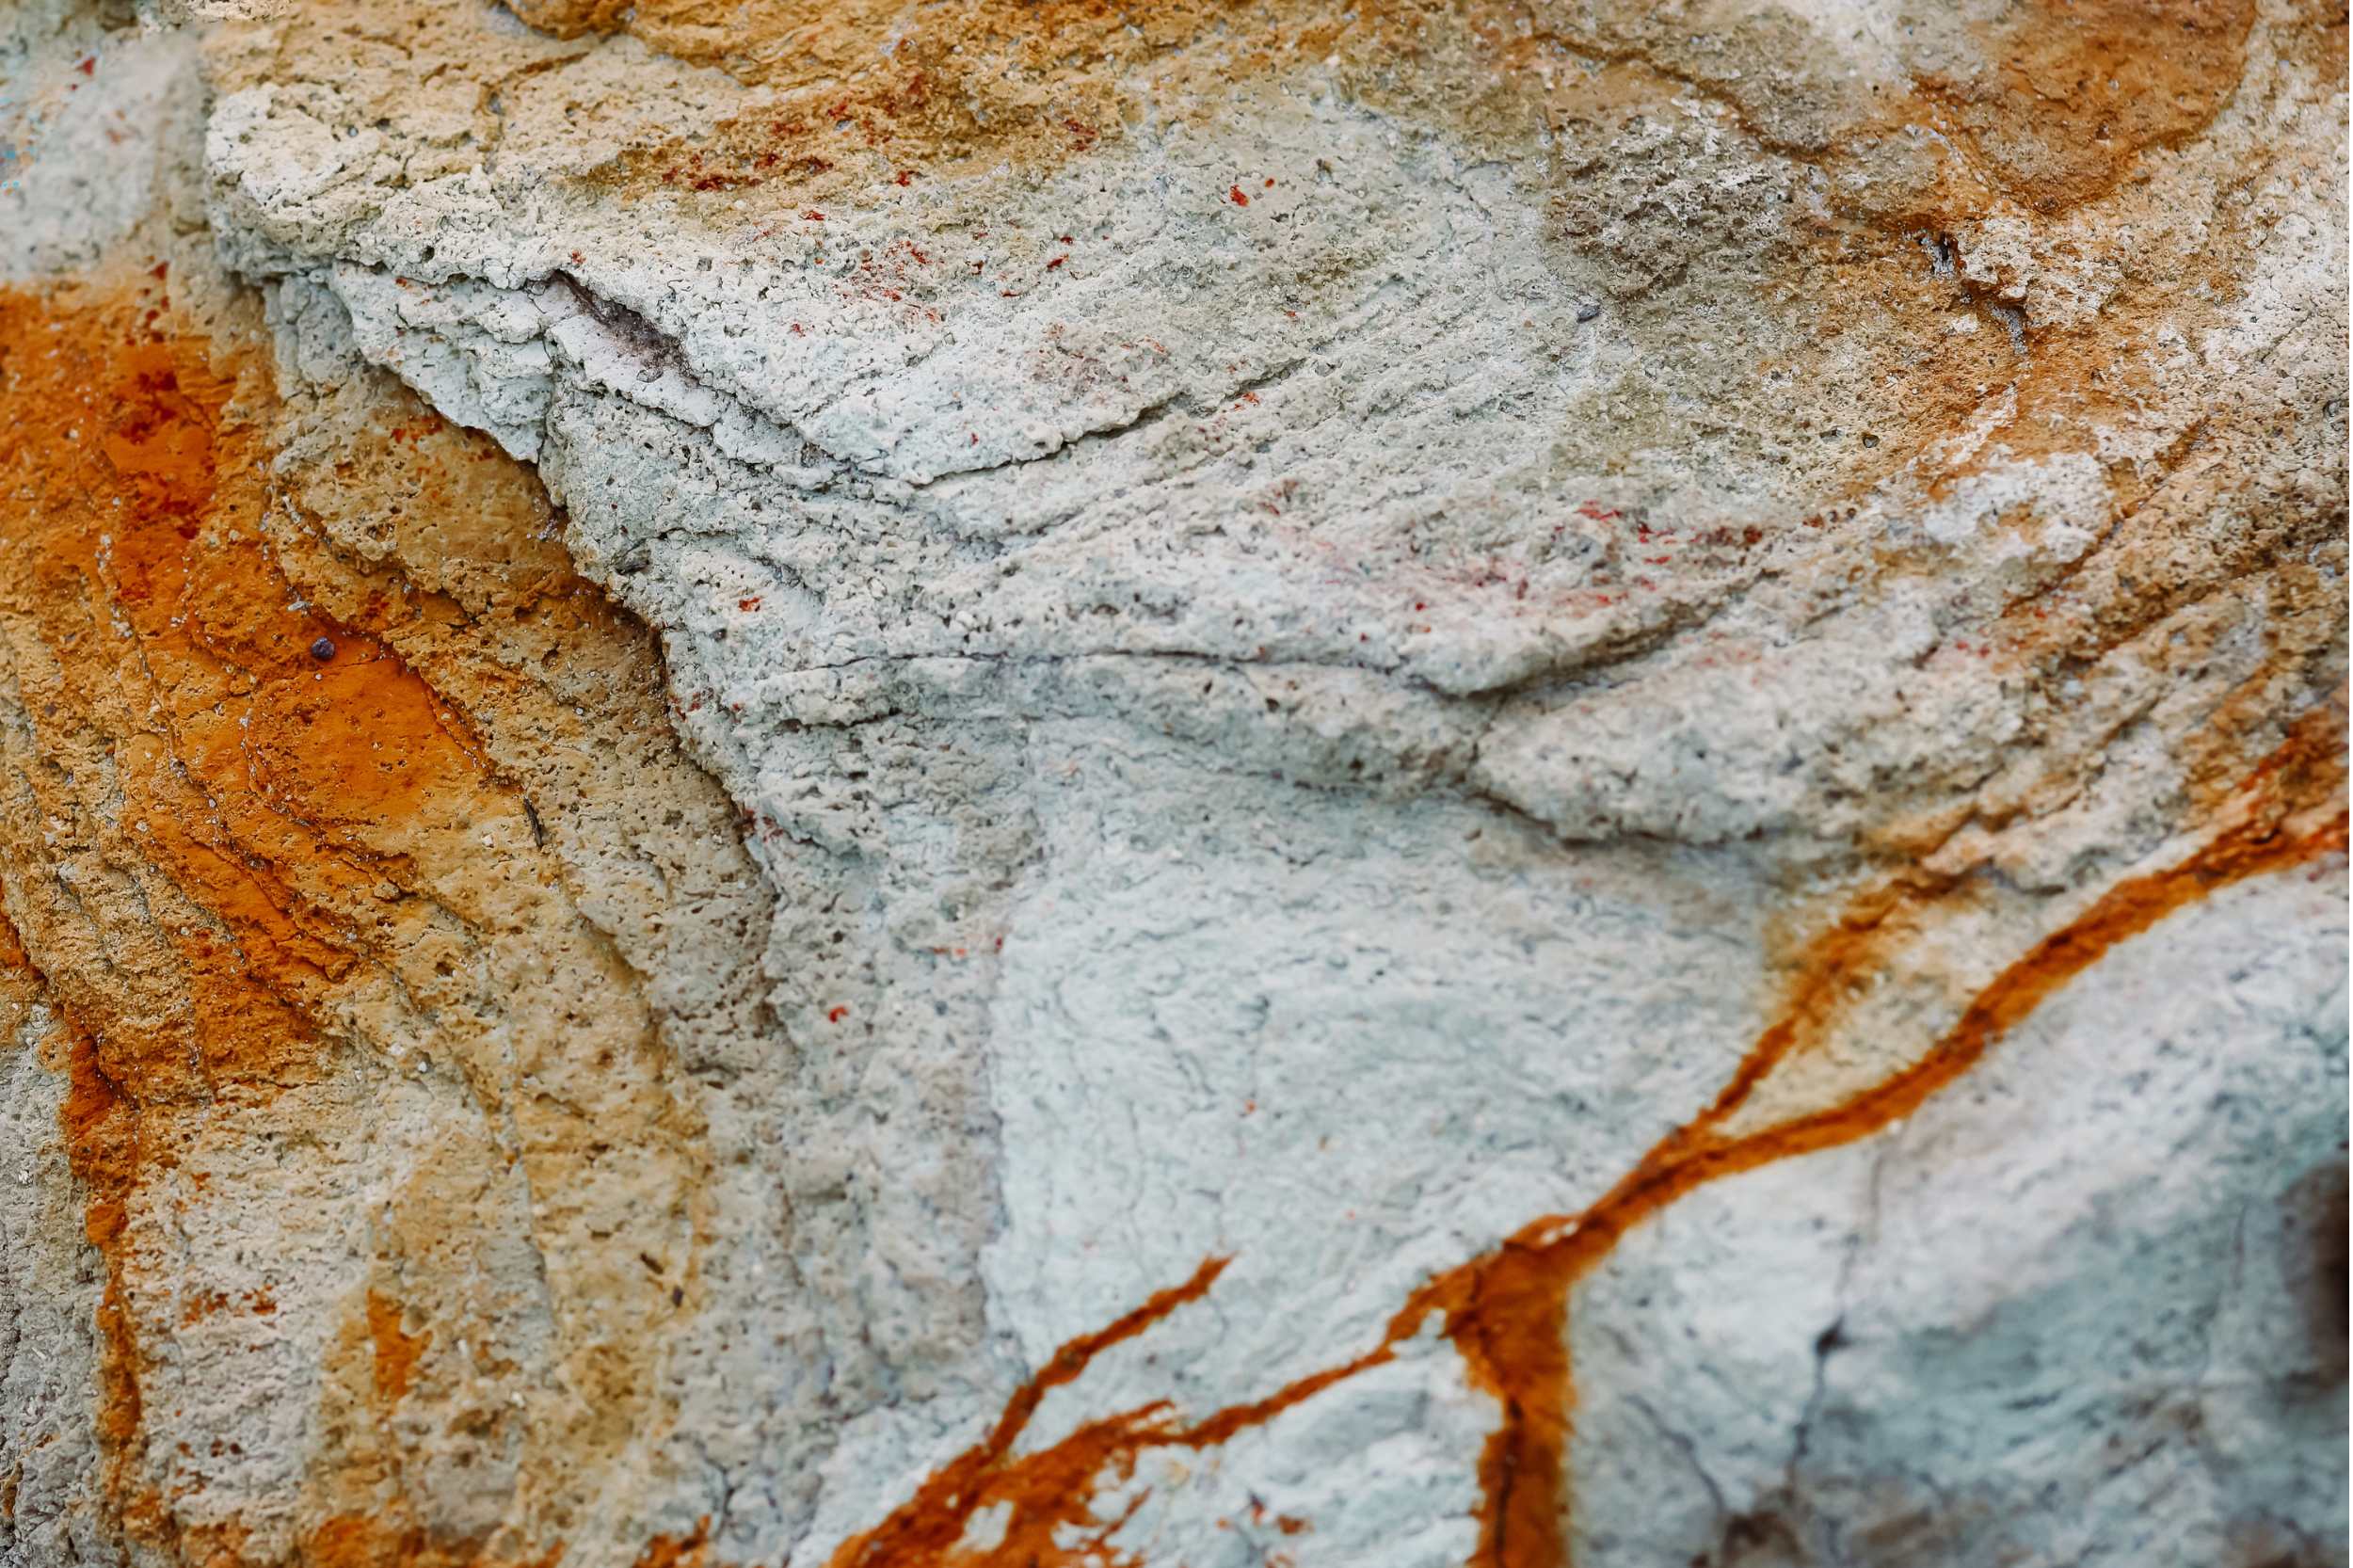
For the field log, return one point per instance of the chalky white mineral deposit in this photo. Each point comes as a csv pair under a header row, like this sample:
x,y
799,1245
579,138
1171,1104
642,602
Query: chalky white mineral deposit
x,y
1173,784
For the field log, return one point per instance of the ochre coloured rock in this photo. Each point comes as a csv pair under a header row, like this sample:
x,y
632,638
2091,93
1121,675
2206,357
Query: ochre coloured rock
x,y
1062,784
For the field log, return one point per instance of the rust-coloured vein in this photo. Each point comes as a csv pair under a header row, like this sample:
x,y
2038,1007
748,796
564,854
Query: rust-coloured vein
x,y
1049,1493
1506,1311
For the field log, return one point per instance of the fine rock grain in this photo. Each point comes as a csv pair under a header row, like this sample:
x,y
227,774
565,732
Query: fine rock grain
x,y
1074,785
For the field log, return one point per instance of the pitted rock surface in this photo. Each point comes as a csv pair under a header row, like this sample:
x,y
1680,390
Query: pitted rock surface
x,y
1199,784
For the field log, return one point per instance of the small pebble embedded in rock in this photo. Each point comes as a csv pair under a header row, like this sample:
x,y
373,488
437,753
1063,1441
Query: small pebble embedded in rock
x,y
323,650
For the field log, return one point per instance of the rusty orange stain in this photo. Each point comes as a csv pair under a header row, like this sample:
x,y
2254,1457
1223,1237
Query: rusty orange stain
x,y
1050,1493
267,787
1505,1312
297,779
396,1350
2081,87
671,1551
361,1541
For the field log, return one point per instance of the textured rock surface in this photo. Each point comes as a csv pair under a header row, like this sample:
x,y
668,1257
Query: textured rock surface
x,y
1219,785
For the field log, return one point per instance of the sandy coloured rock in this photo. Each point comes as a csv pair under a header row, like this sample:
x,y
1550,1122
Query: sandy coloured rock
x,y
1117,785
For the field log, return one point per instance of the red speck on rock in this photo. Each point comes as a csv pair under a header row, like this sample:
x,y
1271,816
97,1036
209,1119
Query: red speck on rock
x,y
1238,197
89,65
835,1015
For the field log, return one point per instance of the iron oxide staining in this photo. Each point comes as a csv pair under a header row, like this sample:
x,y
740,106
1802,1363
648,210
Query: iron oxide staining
x,y
149,635
320,725
1048,1495
2077,92
250,849
1505,1312
2052,104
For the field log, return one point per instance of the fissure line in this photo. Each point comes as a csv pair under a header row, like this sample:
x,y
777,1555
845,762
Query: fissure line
x,y
1506,1311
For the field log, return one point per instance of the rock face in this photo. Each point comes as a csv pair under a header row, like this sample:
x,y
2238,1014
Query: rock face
x,y
1058,783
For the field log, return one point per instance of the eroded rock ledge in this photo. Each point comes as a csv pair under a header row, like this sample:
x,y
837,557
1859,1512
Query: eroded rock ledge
x,y
1084,785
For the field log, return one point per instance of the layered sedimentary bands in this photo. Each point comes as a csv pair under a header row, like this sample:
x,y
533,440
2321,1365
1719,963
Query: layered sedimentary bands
x,y
1064,784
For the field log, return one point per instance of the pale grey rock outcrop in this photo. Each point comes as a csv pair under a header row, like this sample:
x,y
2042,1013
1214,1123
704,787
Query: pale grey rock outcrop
x,y
1304,688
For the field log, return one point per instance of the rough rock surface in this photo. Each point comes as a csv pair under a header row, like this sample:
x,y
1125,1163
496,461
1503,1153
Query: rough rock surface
x,y
1060,782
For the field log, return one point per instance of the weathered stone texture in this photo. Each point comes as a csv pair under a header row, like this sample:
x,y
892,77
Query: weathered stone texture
x,y
1069,783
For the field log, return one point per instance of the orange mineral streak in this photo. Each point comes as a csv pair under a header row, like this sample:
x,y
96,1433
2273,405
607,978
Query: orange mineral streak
x,y
396,1350
2050,104
678,1551
1507,1311
358,1541
260,771
2081,87
101,1132
1049,1493
151,632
